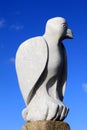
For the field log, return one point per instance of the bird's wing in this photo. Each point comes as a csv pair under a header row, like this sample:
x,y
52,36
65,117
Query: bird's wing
x,y
62,77
31,59
64,72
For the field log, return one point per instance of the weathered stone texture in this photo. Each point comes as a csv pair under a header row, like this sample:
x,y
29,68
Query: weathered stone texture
x,y
46,125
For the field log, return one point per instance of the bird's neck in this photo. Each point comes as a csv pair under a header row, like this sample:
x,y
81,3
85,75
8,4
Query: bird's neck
x,y
52,38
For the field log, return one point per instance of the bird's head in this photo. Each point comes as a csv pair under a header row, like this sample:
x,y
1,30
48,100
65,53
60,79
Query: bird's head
x,y
58,26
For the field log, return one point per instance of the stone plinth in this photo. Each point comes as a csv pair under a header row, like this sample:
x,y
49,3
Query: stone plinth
x,y
46,125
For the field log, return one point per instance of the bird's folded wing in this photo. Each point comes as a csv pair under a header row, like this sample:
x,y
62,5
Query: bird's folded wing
x,y
64,74
31,59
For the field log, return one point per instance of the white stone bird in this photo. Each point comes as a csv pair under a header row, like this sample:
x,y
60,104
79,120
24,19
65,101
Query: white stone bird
x,y
42,72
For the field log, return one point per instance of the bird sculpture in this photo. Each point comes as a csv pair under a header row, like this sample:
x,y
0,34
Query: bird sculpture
x,y
41,66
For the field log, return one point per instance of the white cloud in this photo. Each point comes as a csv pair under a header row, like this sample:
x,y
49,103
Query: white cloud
x,y
16,27
84,87
2,23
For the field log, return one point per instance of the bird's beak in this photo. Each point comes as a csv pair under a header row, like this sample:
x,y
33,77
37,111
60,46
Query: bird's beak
x,y
69,34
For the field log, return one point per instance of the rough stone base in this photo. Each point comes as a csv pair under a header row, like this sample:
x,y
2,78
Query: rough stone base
x,y
46,125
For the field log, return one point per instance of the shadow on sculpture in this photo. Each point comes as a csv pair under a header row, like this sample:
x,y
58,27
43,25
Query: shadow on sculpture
x,y
41,66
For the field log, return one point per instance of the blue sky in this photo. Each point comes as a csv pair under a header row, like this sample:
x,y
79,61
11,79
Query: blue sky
x,y
23,19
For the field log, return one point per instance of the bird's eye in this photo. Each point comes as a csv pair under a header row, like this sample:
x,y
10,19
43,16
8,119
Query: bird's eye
x,y
64,26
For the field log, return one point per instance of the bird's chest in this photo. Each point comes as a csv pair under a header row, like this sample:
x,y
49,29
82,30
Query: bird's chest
x,y
55,60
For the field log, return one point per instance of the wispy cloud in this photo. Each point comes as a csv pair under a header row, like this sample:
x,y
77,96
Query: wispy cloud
x,y
85,87
13,26
1,46
16,27
17,13
2,22
12,60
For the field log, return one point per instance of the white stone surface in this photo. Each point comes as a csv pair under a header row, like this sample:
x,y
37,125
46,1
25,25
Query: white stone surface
x,y
41,66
